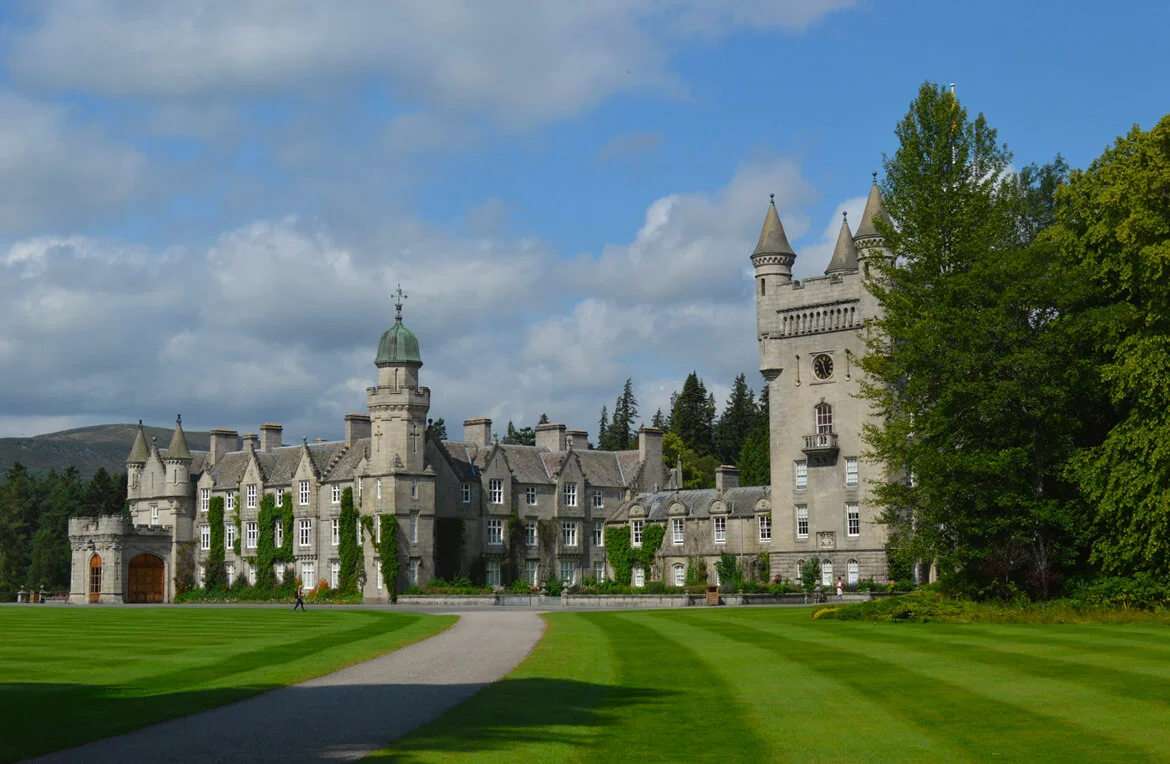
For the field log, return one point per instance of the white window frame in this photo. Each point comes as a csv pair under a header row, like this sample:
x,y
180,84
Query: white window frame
x,y
201,574
414,489
334,531
278,533
599,571
415,566
598,533
636,532
250,496
823,416
598,498
495,491
309,574
852,572
334,573
204,499
678,531
720,526
569,491
205,538
530,495
853,519
569,533
492,573
532,572
230,570
229,502
495,531
800,474
378,489
378,574
826,572
154,517
304,493
852,479
305,532
639,578
765,523
279,497
251,534
570,567
680,574
250,573
802,521
378,528
335,494
530,533
229,535
465,493
414,527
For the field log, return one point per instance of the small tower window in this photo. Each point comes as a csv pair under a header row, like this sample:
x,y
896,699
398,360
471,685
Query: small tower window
x,y
824,414
763,290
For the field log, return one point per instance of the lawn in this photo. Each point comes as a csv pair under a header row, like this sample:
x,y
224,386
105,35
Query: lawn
x,y
771,684
72,675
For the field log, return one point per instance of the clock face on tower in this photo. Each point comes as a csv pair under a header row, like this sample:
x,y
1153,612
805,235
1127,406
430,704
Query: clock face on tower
x,y
822,366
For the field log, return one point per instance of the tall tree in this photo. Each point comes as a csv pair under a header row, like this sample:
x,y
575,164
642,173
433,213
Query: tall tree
x,y
971,364
17,499
625,415
690,416
658,420
525,436
438,429
736,422
1114,224
604,439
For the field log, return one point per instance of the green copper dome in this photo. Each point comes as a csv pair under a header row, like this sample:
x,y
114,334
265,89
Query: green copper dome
x,y
398,345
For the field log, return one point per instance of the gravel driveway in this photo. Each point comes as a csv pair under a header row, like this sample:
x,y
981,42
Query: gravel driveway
x,y
341,716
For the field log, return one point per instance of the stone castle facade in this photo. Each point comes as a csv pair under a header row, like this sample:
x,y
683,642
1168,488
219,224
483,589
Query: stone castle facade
x,y
564,493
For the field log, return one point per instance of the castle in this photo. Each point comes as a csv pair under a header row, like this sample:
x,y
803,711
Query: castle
x,y
810,335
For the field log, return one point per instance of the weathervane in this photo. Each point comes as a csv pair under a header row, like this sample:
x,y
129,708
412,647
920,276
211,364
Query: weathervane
x,y
398,303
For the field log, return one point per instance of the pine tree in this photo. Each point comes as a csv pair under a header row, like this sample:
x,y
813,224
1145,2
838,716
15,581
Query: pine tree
x,y
658,420
438,429
688,415
525,436
543,419
737,421
603,437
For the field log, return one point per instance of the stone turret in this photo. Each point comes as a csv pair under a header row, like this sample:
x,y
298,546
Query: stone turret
x,y
398,405
869,241
178,463
845,253
139,453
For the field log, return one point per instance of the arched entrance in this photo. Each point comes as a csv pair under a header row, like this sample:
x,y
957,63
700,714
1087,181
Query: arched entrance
x,y
95,578
145,579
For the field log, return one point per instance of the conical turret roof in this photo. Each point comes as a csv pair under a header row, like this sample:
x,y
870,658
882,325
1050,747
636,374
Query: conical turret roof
x,y
772,238
139,452
178,448
845,253
874,211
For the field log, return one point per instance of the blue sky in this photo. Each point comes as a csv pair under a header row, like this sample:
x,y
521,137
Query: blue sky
x,y
205,207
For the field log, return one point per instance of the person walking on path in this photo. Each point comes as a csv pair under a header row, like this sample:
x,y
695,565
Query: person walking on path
x,y
840,590
300,600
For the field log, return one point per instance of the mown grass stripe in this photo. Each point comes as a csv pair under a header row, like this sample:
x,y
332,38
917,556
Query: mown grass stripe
x,y
949,710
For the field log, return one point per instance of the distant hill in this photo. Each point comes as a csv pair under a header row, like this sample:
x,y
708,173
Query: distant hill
x,y
86,448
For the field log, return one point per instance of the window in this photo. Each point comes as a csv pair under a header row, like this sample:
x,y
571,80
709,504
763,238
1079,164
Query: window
x,y
304,493
230,570
308,575
306,530
599,572
279,496
278,534
154,514
802,521
250,496
853,571
493,573
530,495
251,535
570,491
598,499
765,527
335,494
568,571
414,527
639,577
720,530
677,532
377,529
680,575
598,533
378,489
718,577
496,491
530,533
378,574
569,533
636,533
357,526
414,489
851,472
531,572
824,414
854,515
495,532
465,493
204,499
205,538
415,565
335,531
98,571
250,573
799,570
229,535
826,572
230,502
801,468
334,573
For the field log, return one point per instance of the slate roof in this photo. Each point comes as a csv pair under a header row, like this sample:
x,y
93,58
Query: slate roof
x,y
773,241
741,502
845,253
602,468
874,210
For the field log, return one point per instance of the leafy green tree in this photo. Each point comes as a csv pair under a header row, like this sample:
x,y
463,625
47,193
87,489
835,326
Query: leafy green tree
x,y
1114,224
438,429
973,364
350,548
755,466
697,471
523,437
737,421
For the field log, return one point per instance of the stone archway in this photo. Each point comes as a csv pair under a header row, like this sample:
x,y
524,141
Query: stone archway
x,y
145,579
95,578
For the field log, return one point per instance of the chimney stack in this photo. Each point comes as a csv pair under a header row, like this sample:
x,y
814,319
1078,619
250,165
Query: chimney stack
x,y
550,435
270,437
357,426
654,473
223,441
578,439
251,441
478,430
726,478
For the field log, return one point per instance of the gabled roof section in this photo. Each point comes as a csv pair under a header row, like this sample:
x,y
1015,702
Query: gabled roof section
x,y
178,449
139,452
602,468
874,211
461,457
845,253
773,241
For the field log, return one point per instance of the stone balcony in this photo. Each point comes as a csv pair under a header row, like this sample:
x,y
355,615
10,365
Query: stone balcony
x,y
820,444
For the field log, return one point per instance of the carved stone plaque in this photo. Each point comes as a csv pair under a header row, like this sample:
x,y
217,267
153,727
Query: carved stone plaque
x,y
826,539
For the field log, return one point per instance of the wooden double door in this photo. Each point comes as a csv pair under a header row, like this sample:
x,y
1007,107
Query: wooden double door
x,y
145,579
